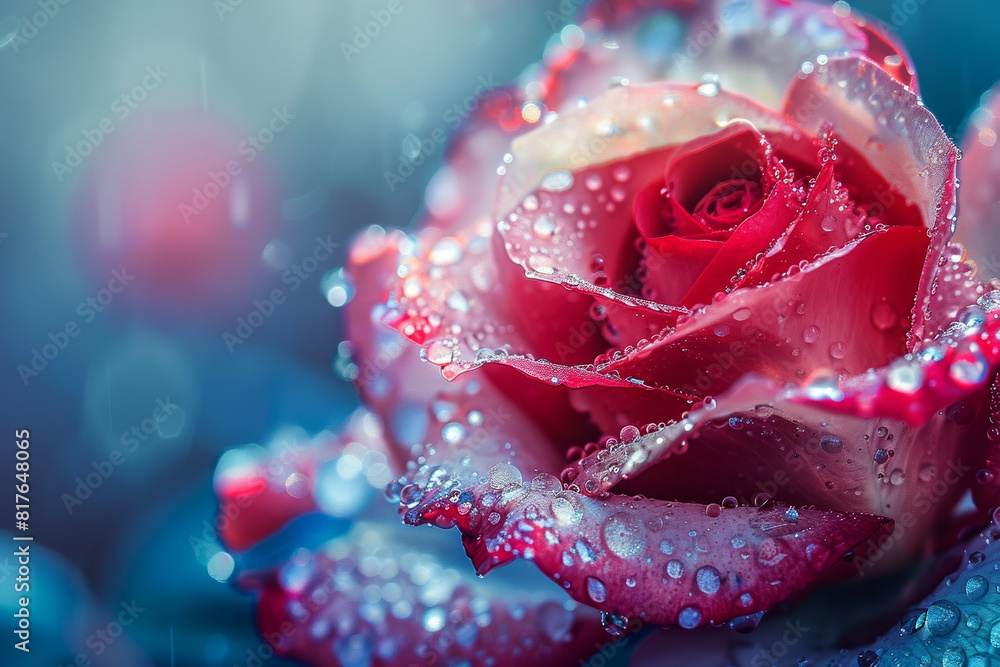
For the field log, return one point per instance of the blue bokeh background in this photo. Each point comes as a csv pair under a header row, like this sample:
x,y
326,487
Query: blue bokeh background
x,y
162,336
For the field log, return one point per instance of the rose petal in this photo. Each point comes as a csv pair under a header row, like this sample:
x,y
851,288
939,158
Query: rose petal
x,y
900,441
979,201
866,107
379,597
666,563
776,339
260,490
756,47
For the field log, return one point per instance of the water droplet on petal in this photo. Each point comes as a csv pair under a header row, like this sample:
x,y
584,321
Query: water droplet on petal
x,y
690,617
831,444
708,84
976,587
622,534
708,579
557,180
942,617
596,589
503,475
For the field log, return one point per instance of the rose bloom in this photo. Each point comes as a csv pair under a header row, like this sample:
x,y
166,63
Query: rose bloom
x,y
693,344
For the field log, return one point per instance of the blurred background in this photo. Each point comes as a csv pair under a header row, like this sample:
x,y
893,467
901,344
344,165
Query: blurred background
x,y
165,167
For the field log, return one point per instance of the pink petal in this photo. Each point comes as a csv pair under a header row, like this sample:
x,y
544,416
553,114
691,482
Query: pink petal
x,y
871,109
978,198
379,597
666,563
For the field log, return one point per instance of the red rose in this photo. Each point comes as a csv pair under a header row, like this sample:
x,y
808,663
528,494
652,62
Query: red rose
x,y
700,350
691,313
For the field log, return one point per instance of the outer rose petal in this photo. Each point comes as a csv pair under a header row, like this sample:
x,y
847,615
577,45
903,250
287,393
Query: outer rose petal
x,y
666,563
787,345
900,441
319,607
979,197
905,143
737,40
371,597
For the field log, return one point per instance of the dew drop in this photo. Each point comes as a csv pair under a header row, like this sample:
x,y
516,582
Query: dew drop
x,y
905,377
690,617
628,434
567,509
838,350
954,656
995,635
557,180
942,617
452,433
708,579
544,227
831,444
976,587
503,475
622,535
970,366
811,334
542,264
708,84
746,624
614,624
439,353
961,413
596,589
675,569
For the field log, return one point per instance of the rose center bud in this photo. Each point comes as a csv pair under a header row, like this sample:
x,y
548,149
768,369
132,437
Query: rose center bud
x,y
728,203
